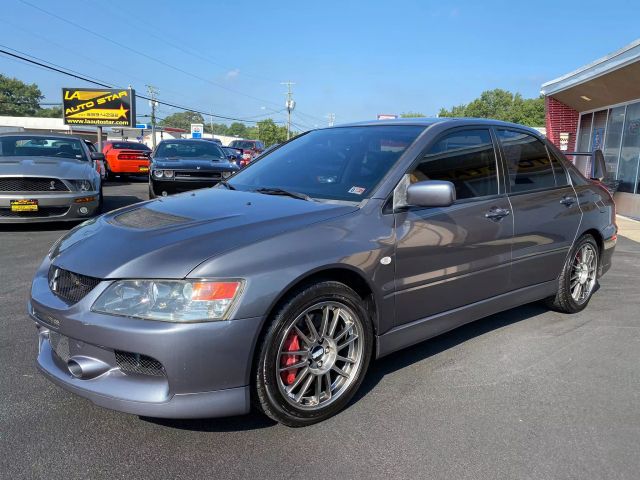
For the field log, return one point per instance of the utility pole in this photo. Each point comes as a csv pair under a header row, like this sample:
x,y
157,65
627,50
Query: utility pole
x,y
153,103
290,104
332,118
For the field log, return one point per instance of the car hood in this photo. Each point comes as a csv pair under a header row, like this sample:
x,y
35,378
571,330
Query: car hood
x,y
204,164
68,168
169,237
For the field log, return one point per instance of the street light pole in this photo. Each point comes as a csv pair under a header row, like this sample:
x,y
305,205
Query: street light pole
x,y
290,104
153,103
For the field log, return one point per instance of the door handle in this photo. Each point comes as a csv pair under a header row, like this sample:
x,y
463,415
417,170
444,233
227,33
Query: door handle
x,y
497,214
567,201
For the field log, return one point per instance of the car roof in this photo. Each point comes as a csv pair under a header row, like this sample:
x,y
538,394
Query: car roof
x,y
444,121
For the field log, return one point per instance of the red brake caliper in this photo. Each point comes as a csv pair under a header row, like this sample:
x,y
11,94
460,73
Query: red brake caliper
x,y
291,344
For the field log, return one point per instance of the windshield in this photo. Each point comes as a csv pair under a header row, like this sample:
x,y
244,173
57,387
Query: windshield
x,y
189,149
130,146
37,146
245,145
345,163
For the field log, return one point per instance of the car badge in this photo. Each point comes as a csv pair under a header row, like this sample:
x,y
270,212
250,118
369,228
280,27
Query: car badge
x,y
197,168
52,185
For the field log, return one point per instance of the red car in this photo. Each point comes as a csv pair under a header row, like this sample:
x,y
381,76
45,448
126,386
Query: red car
x,y
250,149
126,158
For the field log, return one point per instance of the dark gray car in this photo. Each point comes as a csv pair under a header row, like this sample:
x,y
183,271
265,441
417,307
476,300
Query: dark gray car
x,y
343,245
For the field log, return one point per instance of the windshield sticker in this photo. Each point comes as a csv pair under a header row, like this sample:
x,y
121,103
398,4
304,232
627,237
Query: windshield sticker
x,y
357,190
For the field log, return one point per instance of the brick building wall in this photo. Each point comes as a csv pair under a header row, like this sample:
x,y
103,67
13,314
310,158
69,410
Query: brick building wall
x,y
561,118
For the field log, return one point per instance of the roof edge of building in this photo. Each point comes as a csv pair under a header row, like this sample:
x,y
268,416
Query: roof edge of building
x,y
601,66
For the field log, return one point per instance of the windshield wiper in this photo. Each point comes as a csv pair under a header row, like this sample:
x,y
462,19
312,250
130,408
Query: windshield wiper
x,y
280,191
226,184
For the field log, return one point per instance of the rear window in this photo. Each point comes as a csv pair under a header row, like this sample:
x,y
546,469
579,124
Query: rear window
x,y
130,146
244,144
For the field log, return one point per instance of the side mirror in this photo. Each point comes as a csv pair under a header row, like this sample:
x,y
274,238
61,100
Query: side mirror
x,y
97,156
598,167
431,193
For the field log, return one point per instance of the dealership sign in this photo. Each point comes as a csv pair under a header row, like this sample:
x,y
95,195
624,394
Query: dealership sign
x,y
102,107
196,130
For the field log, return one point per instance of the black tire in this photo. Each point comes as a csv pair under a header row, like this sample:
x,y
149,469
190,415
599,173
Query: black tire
x,y
100,208
268,395
564,301
108,174
152,194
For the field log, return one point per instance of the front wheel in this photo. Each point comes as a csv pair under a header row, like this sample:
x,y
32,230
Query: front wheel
x,y
314,356
579,277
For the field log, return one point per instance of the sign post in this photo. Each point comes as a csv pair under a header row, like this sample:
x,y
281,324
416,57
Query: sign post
x,y
196,130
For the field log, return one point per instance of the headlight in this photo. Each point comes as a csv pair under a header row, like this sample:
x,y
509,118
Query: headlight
x,y
168,173
170,300
226,174
157,173
82,185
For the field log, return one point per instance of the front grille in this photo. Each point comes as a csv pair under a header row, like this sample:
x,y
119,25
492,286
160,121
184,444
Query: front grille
x,y
31,184
42,212
71,287
136,363
60,345
198,175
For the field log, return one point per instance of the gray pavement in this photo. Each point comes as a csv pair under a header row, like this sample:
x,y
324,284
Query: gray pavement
x,y
527,393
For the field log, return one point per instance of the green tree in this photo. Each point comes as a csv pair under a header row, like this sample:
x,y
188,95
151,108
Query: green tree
x,y
17,98
216,128
411,115
182,120
237,129
53,112
501,104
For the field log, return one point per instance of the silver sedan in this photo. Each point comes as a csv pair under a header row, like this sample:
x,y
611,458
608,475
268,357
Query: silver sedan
x,y
48,178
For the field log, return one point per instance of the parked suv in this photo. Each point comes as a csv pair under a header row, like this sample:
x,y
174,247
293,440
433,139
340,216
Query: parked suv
x,y
282,283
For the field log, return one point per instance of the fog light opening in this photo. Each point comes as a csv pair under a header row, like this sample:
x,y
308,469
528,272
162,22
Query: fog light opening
x,y
84,210
164,194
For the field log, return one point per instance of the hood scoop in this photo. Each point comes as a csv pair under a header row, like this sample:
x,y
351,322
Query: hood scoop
x,y
145,219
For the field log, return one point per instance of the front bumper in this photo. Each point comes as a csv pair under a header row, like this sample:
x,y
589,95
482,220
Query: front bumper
x,y
205,367
52,207
178,186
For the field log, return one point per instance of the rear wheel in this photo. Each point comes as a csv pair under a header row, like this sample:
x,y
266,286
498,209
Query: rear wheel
x,y
579,277
314,355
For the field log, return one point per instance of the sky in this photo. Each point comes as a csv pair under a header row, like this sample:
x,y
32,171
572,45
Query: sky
x,y
354,59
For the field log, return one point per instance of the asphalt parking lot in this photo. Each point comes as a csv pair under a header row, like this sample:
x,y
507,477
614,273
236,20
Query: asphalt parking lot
x,y
527,393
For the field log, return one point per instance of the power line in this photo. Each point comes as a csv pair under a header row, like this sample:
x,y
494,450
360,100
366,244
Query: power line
x,y
85,78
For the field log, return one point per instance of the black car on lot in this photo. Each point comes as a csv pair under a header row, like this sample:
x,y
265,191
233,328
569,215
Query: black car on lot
x,y
183,165
233,154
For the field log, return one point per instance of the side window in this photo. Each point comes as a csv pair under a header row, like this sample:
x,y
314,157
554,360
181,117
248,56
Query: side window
x,y
559,171
465,158
527,160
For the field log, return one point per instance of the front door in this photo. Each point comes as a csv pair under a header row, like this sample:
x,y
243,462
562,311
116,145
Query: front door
x,y
451,257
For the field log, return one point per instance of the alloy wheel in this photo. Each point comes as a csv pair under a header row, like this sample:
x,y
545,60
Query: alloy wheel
x,y
583,273
319,355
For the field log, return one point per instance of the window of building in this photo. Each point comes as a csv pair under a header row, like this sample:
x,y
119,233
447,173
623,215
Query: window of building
x,y
465,158
528,162
630,150
584,135
613,140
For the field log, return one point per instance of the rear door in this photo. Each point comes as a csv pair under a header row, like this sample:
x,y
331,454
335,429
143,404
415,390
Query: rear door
x,y
546,213
454,256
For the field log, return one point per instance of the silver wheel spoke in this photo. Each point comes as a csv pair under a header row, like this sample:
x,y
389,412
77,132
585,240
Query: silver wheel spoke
x,y
294,366
327,379
296,353
304,388
312,328
325,321
345,359
346,330
334,322
339,371
348,341
301,376
302,336
318,387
